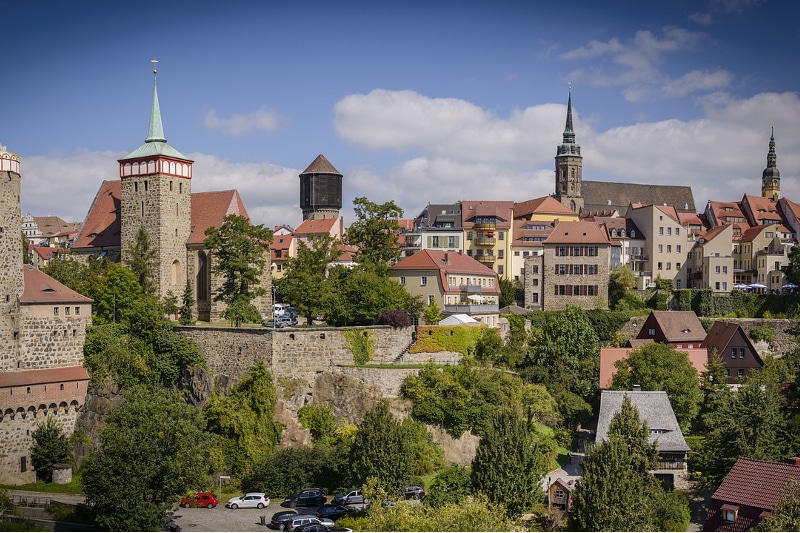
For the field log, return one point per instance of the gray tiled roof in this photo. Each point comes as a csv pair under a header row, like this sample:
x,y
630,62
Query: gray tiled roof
x,y
654,408
605,195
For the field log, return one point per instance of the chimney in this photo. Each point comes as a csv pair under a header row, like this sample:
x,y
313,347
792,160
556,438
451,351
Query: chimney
x,y
446,259
795,461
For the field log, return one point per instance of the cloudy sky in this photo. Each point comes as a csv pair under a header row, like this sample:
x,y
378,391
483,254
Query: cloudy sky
x,y
411,101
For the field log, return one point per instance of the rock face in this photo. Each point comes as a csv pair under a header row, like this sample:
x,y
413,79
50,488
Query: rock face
x,y
99,402
460,451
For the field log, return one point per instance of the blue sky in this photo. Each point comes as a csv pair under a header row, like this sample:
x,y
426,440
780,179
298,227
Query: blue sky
x,y
414,102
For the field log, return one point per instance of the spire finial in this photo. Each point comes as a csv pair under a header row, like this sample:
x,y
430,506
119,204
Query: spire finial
x,y
156,131
154,61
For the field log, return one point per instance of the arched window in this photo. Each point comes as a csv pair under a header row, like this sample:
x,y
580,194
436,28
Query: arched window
x,y
176,272
202,277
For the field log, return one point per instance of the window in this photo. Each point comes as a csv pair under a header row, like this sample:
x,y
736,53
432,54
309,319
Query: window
x,y
669,248
669,265
659,266
677,248
741,353
500,254
559,494
724,285
502,235
669,231
469,235
716,285
55,311
651,332
677,232
733,353
435,242
66,310
725,269
499,269
740,372
525,254
690,346
716,269
661,230
451,241
402,280
430,299
660,248
535,297
516,253
423,281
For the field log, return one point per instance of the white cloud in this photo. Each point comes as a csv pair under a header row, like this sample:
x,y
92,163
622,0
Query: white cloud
x,y
238,124
697,80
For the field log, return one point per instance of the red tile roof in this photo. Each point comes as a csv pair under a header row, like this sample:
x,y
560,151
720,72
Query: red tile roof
x,y
316,226
501,210
41,288
101,229
577,233
447,263
680,326
210,208
546,205
608,356
20,378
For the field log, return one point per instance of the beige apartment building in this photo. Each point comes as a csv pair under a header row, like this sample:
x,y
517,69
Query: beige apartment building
x,y
711,260
666,247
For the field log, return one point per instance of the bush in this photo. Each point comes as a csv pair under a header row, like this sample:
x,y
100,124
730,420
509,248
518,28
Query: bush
x,y
762,332
396,319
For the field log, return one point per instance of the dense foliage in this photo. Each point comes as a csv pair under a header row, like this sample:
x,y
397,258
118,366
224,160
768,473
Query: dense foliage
x,y
785,516
154,449
705,302
375,234
141,260
461,339
50,447
244,421
450,485
357,297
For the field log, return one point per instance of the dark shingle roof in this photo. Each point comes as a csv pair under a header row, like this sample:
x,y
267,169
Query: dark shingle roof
x,y
604,195
756,483
321,166
654,408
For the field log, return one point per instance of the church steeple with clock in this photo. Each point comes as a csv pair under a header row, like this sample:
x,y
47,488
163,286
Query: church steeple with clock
x,y
569,166
771,177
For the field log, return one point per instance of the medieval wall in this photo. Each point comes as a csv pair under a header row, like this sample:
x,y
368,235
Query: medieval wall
x,y
53,341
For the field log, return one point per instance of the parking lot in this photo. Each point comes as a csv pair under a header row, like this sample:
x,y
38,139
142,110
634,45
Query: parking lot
x,y
222,519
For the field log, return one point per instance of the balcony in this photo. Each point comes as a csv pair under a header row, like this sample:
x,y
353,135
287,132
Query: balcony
x,y
471,309
640,257
469,288
485,259
484,241
485,226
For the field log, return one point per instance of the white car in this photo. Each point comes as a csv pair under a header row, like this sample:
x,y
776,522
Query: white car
x,y
252,500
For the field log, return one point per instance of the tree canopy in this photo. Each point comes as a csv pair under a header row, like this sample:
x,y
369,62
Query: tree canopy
x,y
375,233
50,447
142,261
304,282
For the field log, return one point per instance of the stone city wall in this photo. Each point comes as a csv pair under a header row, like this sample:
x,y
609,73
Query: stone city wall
x,y
51,342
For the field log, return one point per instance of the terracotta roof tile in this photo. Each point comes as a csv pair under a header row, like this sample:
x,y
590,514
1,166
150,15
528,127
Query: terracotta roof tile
x,y
209,210
546,205
41,288
21,378
680,326
502,210
315,226
101,229
756,483
577,233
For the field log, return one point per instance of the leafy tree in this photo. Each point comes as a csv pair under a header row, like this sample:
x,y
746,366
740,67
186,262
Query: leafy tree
x,y
510,462
657,366
395,318
244,420
304,282
26,256
169,304
287,470
427,455
792,269
713,385
507,292
490,346
240,250
433,313
117,293
762,332
241,310
450,485
785,516
185,312
83,278
616,492
320,420
142,261
566,351
50,447
358,297
375,233
153,451
380,450
621,280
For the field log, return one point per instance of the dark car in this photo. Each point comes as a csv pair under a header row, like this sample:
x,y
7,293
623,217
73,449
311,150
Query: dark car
x,y
313,527
351,497
279,518
414,492
334,512
305,498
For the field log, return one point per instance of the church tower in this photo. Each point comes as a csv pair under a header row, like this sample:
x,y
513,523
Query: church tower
x,y
569,165
320,190
156,181
11,281
771,177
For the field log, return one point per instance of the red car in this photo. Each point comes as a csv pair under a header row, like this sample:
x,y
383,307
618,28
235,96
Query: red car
x,y
200,499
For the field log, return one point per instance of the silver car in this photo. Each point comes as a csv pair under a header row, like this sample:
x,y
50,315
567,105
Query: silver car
x,y
303,519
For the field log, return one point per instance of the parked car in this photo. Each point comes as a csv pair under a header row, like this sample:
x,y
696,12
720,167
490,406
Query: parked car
x,y
351,497
280,517
334,512
200,499
280,322
305,498
414,492
251,500
305,519
313,527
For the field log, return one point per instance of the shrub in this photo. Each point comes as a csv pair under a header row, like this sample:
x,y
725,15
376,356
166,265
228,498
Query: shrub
x,y
362,342
762,332
395,318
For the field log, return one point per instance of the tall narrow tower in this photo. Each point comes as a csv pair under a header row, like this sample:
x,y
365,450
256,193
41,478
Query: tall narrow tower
x,y
569,165
320,190
11,281
156,194
771,177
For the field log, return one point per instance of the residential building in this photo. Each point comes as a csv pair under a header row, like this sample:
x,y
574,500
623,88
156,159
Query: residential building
x,y
40,231
457,283
710,263
627,242
655,409
763,252
533,221
572,270
749,493
735,349
487,227
437,227
666,245
679,329
609,356
283,246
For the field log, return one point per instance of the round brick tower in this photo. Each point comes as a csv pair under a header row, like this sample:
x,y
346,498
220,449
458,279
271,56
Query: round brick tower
x,y
11,282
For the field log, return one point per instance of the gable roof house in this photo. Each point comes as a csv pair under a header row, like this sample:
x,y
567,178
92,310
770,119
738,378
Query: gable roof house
x,y
609,356
456,282
735,349
748,493
655,409
711,261
679,329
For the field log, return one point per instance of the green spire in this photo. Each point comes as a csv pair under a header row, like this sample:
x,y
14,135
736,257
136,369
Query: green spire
x,y
156,132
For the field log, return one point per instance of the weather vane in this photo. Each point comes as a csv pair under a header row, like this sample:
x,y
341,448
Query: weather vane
x,y
569,85
154,61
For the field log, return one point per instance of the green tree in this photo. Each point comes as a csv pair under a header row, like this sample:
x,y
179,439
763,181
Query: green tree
x,y
83,278
287,471
380,450
115,295
432,313
616,492
507,292
142,261
792,269
427,456
153,451
244,421
785,516
621,280
240,250
169,304
358,297
450,485
375,234
320,420
185,312
565,352
26,256
304,282
510,462
657,367
50,447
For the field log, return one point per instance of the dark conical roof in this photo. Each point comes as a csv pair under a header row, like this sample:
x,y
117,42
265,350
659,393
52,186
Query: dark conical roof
x,y
320,166
568,146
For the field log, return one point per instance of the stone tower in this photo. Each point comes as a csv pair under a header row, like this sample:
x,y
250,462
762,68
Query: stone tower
x,y
771,177
569,165
320,190
156,183
11,281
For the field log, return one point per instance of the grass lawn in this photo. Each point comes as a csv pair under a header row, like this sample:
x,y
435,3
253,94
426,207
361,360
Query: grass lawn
x,y
74,487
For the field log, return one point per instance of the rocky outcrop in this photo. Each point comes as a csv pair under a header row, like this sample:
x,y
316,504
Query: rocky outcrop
x,y
461,450
91,418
